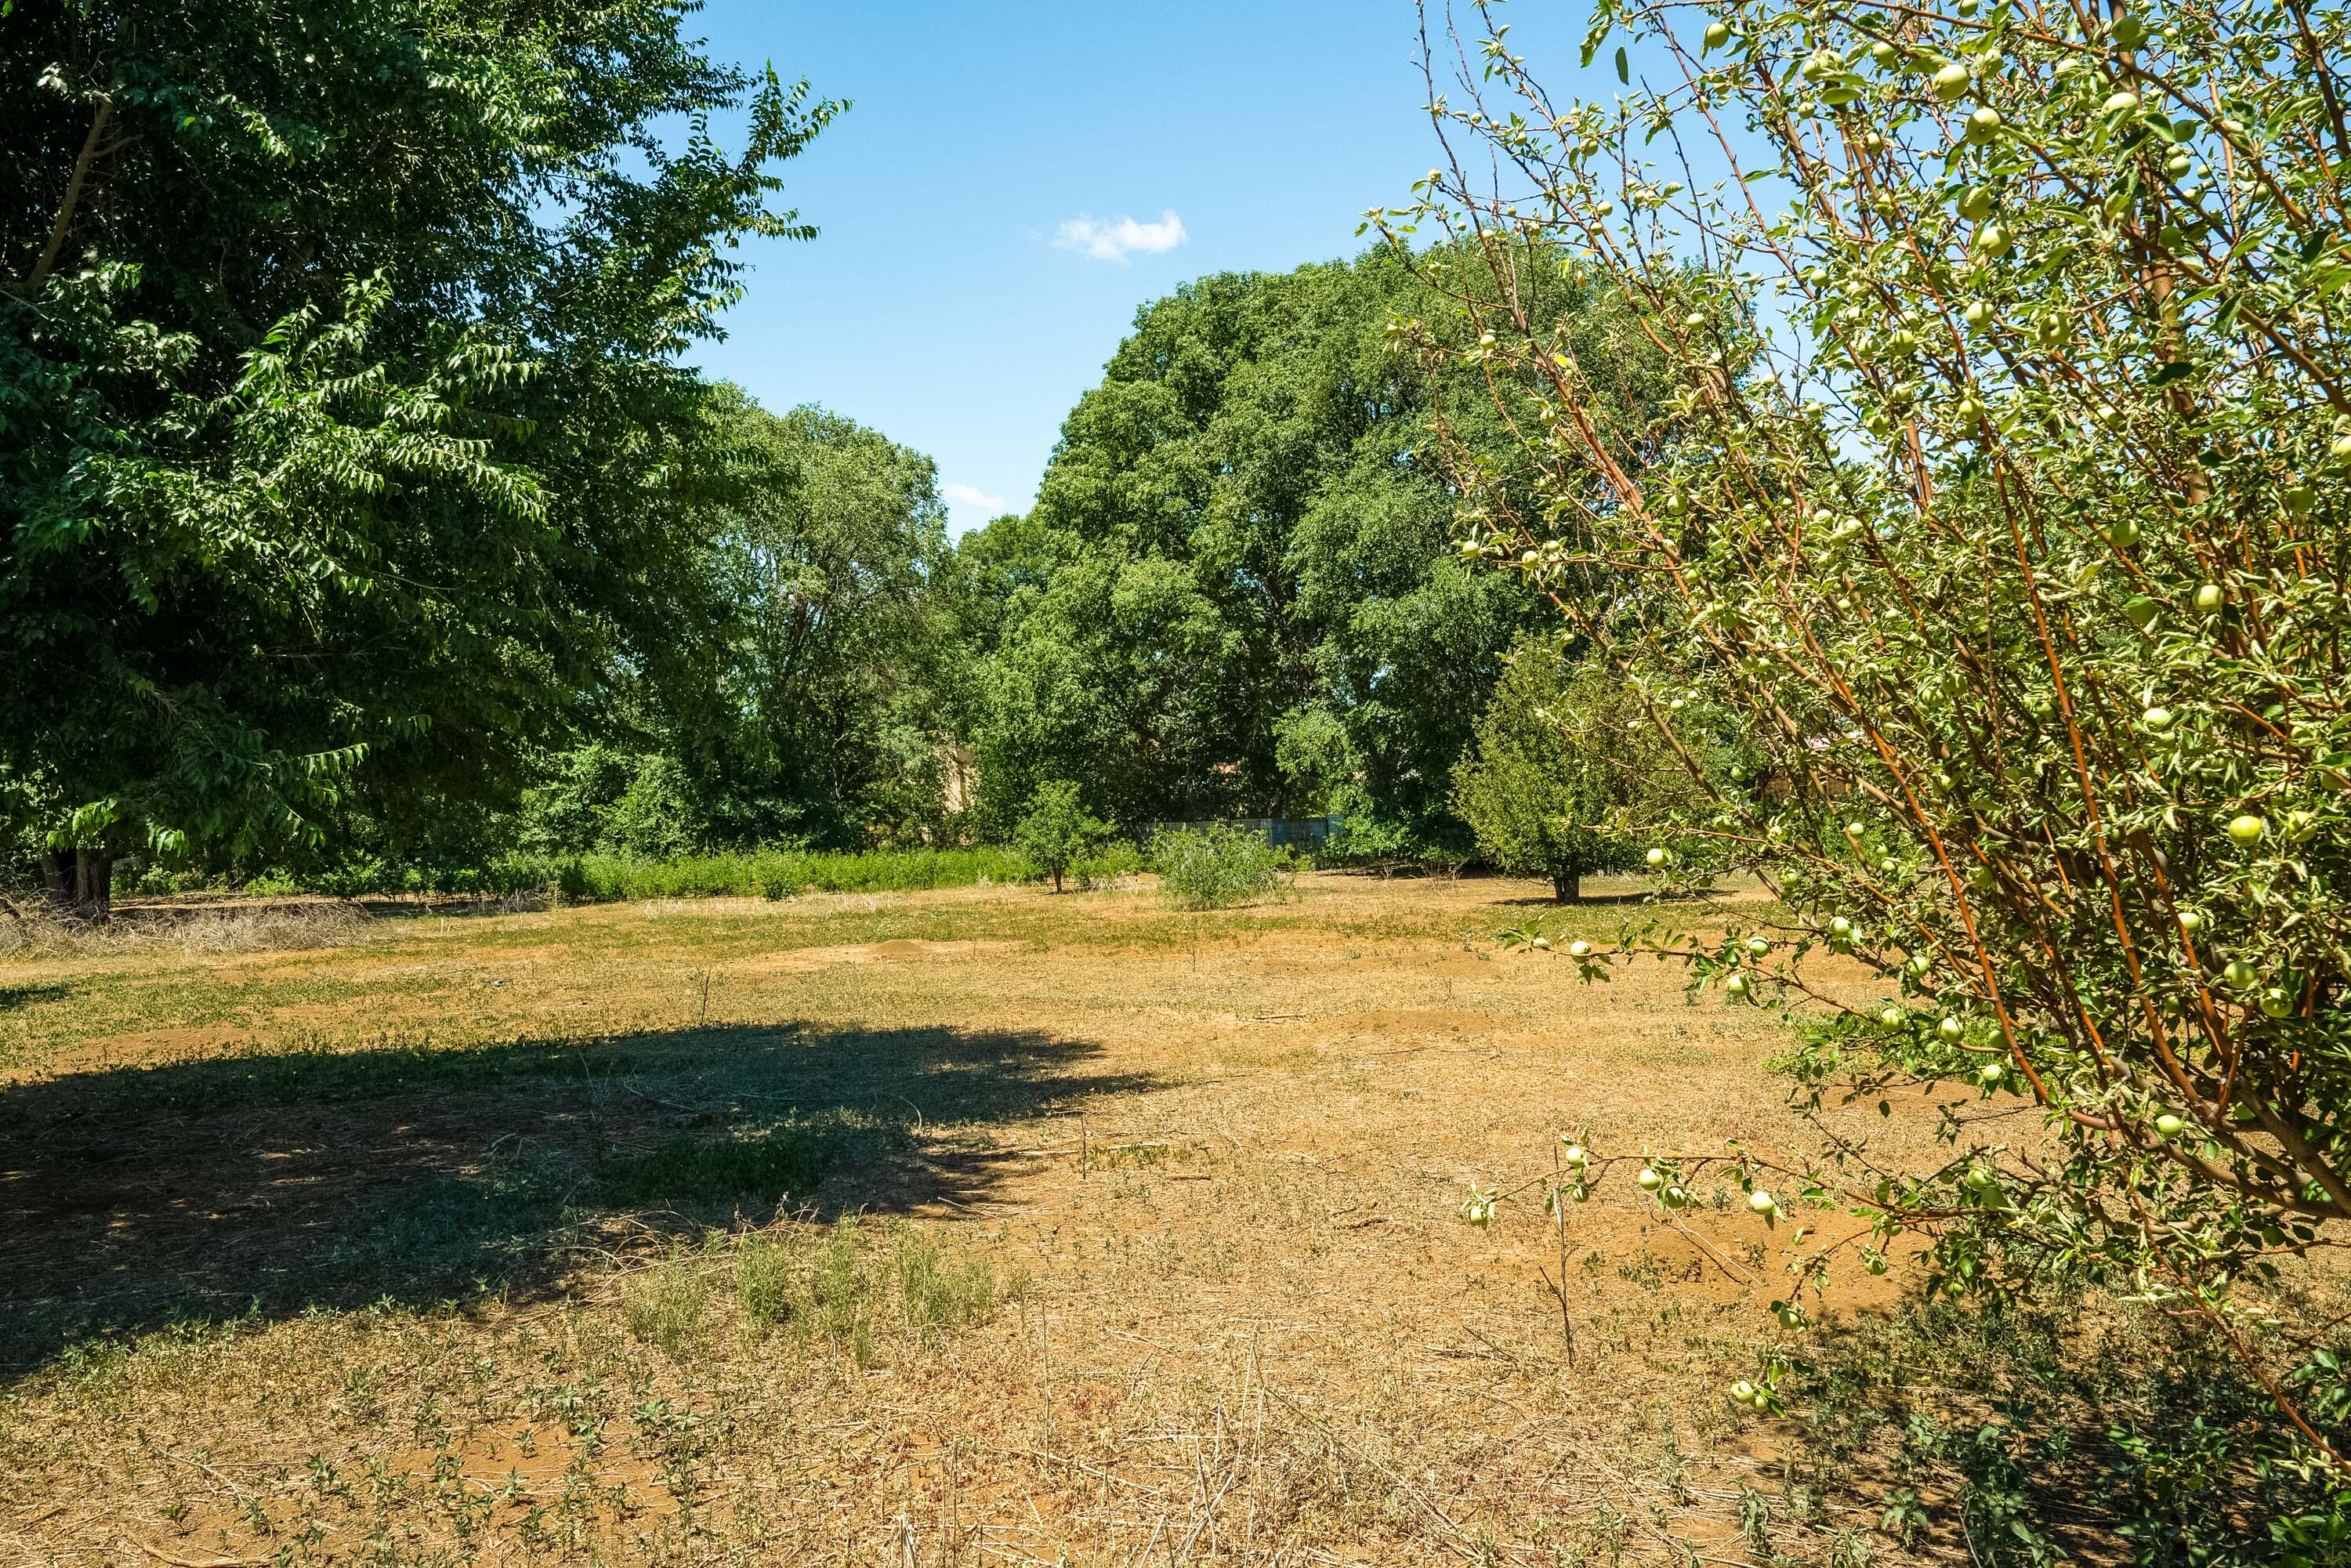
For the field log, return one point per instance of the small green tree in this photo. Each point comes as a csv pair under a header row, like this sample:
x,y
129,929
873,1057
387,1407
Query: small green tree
x,y
1058,830
1559,759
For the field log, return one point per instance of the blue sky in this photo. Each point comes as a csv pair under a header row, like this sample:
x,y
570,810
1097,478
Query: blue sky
x,y
944,303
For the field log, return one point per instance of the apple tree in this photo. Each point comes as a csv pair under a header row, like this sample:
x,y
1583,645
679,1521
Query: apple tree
x,y
2006,509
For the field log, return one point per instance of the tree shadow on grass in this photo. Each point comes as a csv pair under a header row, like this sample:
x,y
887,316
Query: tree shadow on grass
x,y
269,1183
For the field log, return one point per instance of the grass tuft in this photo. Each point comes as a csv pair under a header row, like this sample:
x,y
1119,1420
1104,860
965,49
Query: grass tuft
x,y
936,1291
665,1305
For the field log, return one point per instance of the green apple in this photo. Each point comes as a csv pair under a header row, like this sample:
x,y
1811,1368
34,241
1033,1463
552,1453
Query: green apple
x,y
1884,55
1575,1154
1990,1073
1951,1029
2156,718
1952,81
2210,598
1579,948
1975,203
2247,828
1983,125
1982,1179
1717,35
2127,31
1654,858
2124,533
2121,103
2239,976
1978,314
2190,922
1791,1315
1735,986
1762,1202
2170,1124
1676,1197
1758,945
1892,1017
1541,943
2144,612
2277,1003
1650,1178
1875,1263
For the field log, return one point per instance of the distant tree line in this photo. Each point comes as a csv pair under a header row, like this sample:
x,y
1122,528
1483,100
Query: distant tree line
x,y
360,508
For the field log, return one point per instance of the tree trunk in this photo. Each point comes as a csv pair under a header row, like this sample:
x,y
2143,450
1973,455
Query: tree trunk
x,y
94,885
1056,879
80,883
1567,886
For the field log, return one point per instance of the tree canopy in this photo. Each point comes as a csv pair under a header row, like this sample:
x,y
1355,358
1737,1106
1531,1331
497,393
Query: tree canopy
x,y
338,373
1234,595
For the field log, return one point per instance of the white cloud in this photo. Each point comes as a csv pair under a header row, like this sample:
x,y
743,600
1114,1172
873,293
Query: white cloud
x,y
972,495
1116,242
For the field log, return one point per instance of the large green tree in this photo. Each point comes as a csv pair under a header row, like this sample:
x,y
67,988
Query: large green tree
x,y
1234,594
344,424
818,714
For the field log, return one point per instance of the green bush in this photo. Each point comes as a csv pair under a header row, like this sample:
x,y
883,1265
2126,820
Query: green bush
x,y
1104,867
1218,867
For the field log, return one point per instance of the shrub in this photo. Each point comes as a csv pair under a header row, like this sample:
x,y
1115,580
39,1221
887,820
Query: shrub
x,y
2019,558
1106,866
1377,844
1217,867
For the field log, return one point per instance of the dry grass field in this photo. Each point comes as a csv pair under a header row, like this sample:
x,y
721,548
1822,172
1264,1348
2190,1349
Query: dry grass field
x,y
955,1227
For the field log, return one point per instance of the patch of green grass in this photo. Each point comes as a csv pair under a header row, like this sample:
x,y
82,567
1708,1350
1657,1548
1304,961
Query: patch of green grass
x,y
666,1304
684,1168
936,1291
764,1287
839,1293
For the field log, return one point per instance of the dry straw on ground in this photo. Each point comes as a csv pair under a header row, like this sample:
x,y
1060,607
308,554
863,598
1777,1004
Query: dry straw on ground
x,y
520,1239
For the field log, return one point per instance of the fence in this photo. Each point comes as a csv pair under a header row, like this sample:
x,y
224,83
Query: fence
x,y
1297,832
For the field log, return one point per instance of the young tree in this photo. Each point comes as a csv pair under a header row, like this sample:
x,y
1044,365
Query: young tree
x,y
1561,761
339,362
1057,832
2018,542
